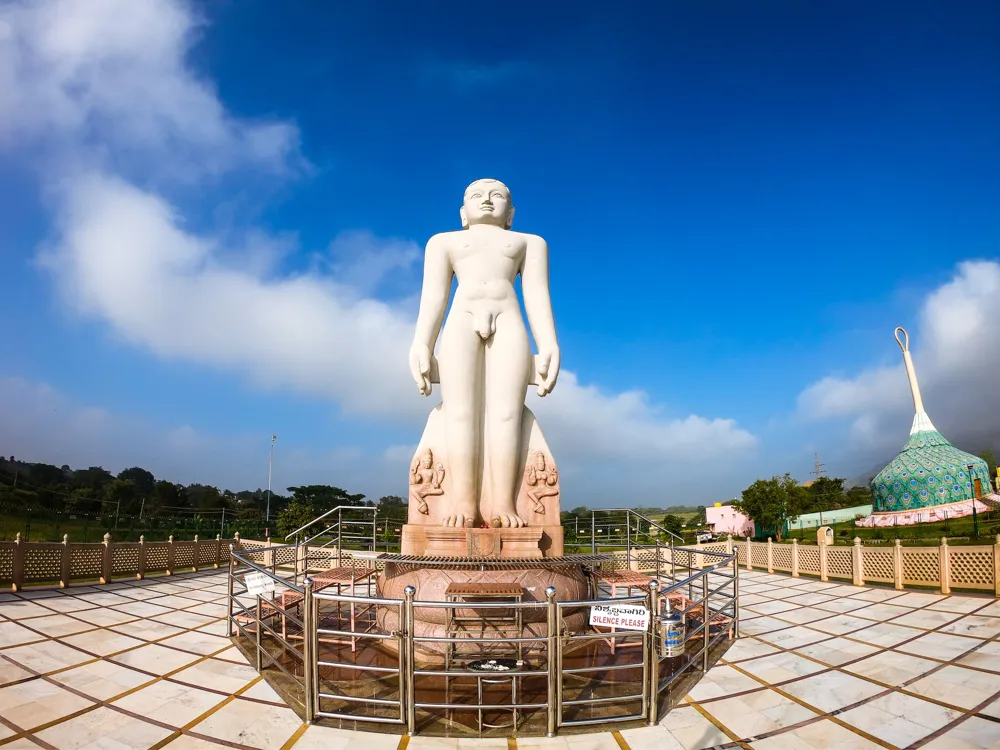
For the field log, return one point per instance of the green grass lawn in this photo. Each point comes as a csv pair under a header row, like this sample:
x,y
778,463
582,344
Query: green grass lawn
x,y
958,531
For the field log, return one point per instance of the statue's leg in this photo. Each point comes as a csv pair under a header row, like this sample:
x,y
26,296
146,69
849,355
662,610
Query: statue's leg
x,y
508,356
460,365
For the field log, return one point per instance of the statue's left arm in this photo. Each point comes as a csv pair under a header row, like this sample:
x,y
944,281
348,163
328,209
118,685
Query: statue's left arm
x,y
538,305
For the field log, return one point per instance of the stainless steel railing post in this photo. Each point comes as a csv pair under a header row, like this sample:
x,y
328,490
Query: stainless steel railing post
x,y
653,658
259,635
411,710
308,657
736,593
708,620
555,679
229,592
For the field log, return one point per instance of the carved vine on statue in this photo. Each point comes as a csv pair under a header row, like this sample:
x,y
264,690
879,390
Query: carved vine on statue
x,y
542,481
425,480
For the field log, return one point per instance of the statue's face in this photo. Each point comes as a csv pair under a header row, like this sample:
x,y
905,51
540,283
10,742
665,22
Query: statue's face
x,y
539,460
487,202
426,462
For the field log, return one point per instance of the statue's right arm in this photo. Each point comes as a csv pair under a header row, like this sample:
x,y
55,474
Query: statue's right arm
x,y
438,274
434,293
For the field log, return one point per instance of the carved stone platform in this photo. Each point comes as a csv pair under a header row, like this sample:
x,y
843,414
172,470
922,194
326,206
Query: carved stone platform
x,y
525,543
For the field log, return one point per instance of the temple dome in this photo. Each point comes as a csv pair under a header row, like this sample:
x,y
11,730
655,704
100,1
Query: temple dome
x,y
928,471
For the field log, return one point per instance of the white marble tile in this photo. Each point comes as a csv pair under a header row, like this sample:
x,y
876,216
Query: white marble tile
x,y
170,702
956,686
891,667
899,719
976,626
104,728
757,713
830,691
940,646
781,667
818,735
972,734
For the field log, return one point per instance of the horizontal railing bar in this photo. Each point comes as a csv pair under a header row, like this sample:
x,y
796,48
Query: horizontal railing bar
x,y
598,701
444,639
603,636
607,720
351,599
606,668
474,673
480,706
354,717
635,599
356,634
356,699
480,605
359,667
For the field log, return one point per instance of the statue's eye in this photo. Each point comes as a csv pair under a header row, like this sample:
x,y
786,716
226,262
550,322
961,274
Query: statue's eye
x,y
497,195
476,195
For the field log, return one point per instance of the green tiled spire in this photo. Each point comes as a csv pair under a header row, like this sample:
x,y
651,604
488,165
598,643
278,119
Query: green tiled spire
x,y
929,470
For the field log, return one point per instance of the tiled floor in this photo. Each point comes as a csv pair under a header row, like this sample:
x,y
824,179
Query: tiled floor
x,y
146,665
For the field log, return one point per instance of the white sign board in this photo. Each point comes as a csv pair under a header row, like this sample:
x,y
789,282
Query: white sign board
x,y
259,583
621,616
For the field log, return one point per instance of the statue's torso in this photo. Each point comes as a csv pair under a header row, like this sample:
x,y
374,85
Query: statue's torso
x,y
486,263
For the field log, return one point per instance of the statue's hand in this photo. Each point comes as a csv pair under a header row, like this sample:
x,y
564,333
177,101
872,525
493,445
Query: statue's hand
x,y
548,369
420,367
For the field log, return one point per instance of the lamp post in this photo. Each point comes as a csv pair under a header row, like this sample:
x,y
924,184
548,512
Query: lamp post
x,y
972,491
270,467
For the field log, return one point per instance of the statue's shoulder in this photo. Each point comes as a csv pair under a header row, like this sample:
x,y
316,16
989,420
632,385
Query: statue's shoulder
x,y
533,240
443,239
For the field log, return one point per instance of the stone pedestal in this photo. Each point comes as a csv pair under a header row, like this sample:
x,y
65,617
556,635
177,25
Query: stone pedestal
x,y
527,543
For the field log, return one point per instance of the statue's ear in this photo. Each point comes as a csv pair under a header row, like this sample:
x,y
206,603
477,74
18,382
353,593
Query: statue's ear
x,y
510,218
465,219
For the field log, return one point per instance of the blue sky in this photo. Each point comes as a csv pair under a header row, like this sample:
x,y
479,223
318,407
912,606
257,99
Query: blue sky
x,y
213,216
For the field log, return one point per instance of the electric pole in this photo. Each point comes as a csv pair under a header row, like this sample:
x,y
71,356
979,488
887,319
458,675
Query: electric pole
x,y
818,467
270,467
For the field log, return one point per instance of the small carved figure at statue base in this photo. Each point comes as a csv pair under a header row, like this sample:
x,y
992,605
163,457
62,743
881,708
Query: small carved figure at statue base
x,y
425,481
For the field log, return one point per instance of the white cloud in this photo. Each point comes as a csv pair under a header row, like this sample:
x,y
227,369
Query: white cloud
x,y
956,356
112,78
109,80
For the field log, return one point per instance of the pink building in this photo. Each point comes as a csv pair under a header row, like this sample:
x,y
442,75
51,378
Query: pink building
x,y
725,519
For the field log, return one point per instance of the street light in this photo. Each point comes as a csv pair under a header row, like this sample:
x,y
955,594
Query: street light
x,y
972,491
270,467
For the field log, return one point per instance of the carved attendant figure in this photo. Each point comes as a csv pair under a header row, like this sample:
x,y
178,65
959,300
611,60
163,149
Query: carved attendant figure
x,y
425,481
485,359
542,482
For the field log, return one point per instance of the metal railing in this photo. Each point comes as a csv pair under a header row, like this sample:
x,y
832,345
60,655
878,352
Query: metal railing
x,y
702,589
343,530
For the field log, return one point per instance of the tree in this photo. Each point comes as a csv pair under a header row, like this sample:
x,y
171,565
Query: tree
x,y
826,493
120,497
323,497
142,480
767,503
991,460
673,524
700,517
391,505
294,516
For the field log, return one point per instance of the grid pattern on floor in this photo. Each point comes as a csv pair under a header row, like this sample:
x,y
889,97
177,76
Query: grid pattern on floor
x,y
820,665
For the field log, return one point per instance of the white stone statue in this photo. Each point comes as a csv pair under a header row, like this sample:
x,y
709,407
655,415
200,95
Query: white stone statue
x,y
482,428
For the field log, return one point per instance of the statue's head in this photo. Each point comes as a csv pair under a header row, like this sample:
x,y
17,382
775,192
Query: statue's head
x,y
487,202
540,460
427,460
